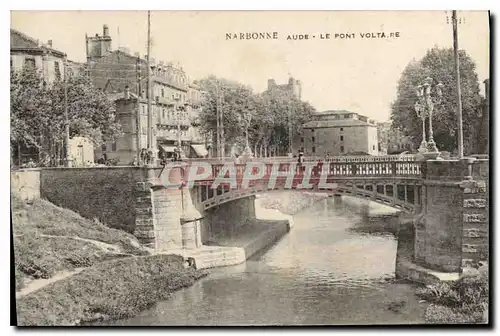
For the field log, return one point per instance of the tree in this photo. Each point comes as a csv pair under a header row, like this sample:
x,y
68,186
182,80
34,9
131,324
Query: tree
x,y
439,64
270,113
37,113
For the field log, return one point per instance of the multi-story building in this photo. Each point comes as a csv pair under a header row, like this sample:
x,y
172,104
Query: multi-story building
x,y
25,50
339,132
293,86
175,101
52,65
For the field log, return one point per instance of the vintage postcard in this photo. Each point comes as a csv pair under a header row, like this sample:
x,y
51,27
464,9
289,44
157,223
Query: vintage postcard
x,y
250,168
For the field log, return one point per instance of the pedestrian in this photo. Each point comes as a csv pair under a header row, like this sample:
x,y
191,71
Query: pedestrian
x,y
149,157
300,160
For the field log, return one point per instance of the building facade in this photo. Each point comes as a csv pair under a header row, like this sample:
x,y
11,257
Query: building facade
x,y
339,133
52,65
176,102
27,51
293,86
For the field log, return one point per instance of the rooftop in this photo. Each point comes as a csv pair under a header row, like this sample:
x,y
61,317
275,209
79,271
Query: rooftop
x,y
336,123
21,41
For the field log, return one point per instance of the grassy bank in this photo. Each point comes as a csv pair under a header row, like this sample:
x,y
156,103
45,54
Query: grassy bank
x,y
461,301
49,239
110,290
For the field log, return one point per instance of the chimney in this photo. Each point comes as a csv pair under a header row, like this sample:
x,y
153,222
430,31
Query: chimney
x,y
127,92
49,43
105,30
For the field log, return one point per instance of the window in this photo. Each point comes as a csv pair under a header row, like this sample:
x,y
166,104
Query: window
x,y
312,130
29,62
313,139
342,129
341,138
163,113
113,146
103,147
373,147
342,149
314,149
302,139
347,116
173,96
57,70
162,92
11,62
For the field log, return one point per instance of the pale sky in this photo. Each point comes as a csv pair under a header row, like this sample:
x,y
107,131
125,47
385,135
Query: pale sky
x,y
356,74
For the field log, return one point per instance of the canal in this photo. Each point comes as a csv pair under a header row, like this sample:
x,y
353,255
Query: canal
x,y
323,272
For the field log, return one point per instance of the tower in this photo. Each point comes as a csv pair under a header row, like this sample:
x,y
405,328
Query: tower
x,y
98,46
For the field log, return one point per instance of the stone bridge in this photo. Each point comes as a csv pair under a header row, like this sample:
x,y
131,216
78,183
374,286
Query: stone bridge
x,y
183,205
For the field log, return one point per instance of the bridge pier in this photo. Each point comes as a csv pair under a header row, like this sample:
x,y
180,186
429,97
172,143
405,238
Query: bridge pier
x,y
451,231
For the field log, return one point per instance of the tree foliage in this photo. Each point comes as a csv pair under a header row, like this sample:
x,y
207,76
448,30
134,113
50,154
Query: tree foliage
x,y
38,116
439,65
269,114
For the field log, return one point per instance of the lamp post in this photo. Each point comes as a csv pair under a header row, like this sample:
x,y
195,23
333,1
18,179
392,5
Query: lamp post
x,y
246,120
425,108
179,138
68,161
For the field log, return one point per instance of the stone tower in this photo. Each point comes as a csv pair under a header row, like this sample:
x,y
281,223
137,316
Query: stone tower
x,y
98,46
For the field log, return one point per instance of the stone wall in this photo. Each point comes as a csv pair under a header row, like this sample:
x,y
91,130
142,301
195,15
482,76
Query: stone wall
x,y
289,202
452,232
442,234
167,211
227,218
106,193
25,184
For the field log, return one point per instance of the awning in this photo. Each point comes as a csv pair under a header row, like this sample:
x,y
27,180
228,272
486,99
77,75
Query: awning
x,y
168,149
200,150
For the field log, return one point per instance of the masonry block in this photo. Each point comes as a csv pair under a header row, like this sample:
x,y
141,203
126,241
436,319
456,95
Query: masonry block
x,y
144,211
474,203
145,221
474,233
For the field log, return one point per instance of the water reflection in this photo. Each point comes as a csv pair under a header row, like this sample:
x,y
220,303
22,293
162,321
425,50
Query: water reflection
x,y
321,272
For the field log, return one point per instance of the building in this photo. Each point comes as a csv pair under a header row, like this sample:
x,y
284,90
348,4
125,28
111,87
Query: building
x,y
81,151
175,100
383,129
339,132
52,65
293,86
398,142
25,50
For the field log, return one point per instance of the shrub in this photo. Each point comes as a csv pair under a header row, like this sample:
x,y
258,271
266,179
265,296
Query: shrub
x,y
115,289
461,301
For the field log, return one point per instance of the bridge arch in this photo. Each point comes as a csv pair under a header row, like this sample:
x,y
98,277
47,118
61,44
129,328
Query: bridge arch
x,y
404,196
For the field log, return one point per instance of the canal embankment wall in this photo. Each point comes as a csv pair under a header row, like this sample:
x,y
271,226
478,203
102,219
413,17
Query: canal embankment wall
x,y
253,224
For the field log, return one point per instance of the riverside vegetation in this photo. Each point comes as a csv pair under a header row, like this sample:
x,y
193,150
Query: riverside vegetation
x,y
462,301
115,277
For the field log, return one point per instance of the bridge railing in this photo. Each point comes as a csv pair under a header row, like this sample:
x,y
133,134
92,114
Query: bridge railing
x,y
332,170
346,159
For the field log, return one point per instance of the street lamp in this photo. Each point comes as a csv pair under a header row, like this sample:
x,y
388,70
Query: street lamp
x,y
246,120
179,139
425,108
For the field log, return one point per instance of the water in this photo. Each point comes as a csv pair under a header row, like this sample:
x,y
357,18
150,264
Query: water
x,y
321,272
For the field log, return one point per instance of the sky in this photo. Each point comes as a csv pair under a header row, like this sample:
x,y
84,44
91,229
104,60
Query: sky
x,y
356,74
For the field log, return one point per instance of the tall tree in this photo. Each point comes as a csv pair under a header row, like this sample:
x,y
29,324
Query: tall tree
x,y
270,113
439,65
234,99
37,113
